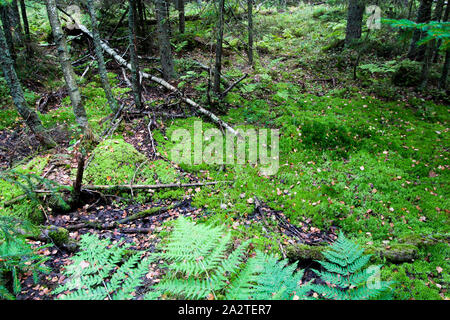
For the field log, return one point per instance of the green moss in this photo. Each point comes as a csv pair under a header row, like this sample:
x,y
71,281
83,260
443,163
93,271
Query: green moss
x,y
305,252
8,191
116,162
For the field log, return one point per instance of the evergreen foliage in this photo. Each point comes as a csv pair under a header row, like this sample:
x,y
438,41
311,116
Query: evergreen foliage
x,y
16,256
102,271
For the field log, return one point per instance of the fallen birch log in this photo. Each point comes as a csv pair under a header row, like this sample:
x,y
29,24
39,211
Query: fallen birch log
x,y
162,82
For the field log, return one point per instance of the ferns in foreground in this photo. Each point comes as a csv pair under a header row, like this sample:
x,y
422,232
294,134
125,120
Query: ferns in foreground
x,y
345,274
103,271
201,264
16,256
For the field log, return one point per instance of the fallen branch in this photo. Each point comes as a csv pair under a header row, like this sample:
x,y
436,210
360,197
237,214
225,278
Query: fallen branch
x,y
116,224
399,253
223,94
259,211
127,187
162,82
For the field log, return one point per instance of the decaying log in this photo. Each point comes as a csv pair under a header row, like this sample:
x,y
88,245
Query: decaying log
x,y
398,253
162,82
59,236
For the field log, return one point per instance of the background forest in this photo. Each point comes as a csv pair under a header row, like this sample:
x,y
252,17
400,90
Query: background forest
x,y
93,205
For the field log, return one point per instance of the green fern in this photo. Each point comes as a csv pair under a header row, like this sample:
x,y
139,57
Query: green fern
x,y
201,264
346,274
103,271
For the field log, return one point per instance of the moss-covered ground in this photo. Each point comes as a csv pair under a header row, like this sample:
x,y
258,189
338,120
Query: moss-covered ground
x,y
364,156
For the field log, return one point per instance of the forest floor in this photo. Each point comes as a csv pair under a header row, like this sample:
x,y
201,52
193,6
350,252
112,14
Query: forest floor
x,y
362,156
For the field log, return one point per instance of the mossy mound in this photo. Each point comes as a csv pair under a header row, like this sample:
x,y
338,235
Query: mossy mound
x,y
10,190
117,162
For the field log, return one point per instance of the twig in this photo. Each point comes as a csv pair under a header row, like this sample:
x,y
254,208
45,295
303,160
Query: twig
x,y
223,94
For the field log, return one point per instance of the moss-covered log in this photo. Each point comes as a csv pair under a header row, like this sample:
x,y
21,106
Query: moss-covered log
x,y
59,236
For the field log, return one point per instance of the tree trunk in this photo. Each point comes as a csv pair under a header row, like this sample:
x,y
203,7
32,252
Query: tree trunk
x,y
26,26
444,18
165,50
445,67
250,31
31,118
423,15
218,64
66,66
15,19
7,30
100,59
135,79
181,19
354,20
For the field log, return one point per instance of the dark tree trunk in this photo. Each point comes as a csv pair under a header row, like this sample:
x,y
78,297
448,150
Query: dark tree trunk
x,y
100,59
444,18
26,27
423,15
15,22
66,66
218,64
7,30
354,20
181,18
135,78
23,10
30,116
165,51
250,31
445,67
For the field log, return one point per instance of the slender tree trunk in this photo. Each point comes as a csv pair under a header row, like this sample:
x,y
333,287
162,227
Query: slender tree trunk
x,y
26,26
7,30
15,19
218,64
165,51
66,66
354,20
444,18
445,67
135,78
30,116
423,15
250,31
100,59
181,18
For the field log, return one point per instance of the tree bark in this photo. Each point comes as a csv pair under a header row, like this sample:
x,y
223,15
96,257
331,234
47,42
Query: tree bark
x,y
250,32
30,116
354,20
135,79
26,27
7,30
444,74
423,15
165,50
181,18
218,63
66,66
100,59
